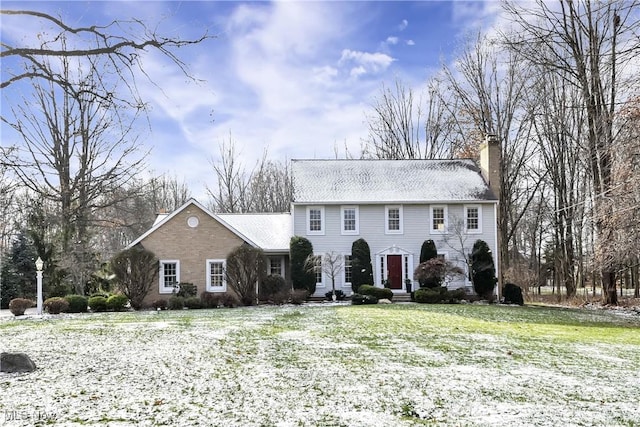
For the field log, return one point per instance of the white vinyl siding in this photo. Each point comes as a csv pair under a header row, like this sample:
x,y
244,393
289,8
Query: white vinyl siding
x,y
169,275
393,219
315,220
350,219
216,277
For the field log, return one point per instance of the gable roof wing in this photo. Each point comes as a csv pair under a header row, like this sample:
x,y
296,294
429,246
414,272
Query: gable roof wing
x,y
388,181
257,233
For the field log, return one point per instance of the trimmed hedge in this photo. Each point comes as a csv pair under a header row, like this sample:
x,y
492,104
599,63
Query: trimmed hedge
x,y
56,305
77,303
379,293
19,305
117,302
439,295
358,299
176,303
98,303
193,303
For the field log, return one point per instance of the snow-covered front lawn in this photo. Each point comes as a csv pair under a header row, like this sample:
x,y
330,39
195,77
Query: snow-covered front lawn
x,y
326,365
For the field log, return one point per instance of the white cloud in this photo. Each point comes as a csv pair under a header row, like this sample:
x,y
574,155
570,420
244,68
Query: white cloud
x,y
410,42
403,25
365,61
392,40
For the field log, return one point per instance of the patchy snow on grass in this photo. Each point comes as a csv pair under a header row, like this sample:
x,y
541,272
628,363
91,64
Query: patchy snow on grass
x,y
397,365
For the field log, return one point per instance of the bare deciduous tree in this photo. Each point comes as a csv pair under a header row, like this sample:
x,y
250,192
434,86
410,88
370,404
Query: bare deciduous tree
x,y
266,188
401,127
587,44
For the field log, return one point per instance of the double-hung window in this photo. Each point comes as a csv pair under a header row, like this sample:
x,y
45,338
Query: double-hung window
x,y
348,271
315,220
216,276
350,219
438,219
169,276
393,219
472,219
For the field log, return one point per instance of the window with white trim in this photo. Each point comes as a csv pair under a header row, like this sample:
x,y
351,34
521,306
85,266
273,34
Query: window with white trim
x,y
393,219
472,219
315,220
275,266
438,219
169,275
216,277
348,271
350,219
317,270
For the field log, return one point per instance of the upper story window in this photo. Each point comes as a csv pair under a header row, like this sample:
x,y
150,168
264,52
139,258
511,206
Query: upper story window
x,y
315,220
216,280
169,276
393,219
350,217
472,219
438,219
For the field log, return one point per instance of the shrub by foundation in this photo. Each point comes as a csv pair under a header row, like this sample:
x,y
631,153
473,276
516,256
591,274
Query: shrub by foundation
x,y
117,302
379,293
193,303
176,303
210,299
359,299
159,304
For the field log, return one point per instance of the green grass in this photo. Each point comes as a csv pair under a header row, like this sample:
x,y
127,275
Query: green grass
x,y
400,364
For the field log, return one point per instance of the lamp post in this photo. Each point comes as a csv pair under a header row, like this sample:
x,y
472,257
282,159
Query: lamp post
x,y
39,265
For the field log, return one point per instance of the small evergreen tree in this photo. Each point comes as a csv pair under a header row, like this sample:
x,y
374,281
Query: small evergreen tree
x,y
300,250
136,270
361,268
483,271
428,251
19,271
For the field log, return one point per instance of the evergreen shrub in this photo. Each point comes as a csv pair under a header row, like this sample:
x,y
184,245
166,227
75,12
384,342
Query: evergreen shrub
x,y
98,303
117,302
77,303
379,293
359,299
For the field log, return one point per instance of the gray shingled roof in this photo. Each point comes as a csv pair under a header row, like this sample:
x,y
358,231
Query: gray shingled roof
x,y
384,181
270,232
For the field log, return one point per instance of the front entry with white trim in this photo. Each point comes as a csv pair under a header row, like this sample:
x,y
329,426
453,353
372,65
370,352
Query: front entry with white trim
x,y
394,265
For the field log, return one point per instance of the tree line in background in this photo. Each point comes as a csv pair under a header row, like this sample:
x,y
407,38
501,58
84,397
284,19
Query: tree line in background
x,y
557,85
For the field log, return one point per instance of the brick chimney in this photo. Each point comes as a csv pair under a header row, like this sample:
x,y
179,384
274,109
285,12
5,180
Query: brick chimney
x,y
490,153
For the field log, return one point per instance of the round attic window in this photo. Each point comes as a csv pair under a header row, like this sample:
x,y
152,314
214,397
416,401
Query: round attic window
x,y
193,221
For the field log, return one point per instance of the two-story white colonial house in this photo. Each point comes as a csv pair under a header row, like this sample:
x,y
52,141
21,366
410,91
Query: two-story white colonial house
x,y
395,205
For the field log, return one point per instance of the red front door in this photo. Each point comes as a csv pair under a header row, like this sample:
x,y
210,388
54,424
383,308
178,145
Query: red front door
x,y
394,271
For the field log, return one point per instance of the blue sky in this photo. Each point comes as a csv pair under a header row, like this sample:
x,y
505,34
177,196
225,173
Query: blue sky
x,y
296,77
